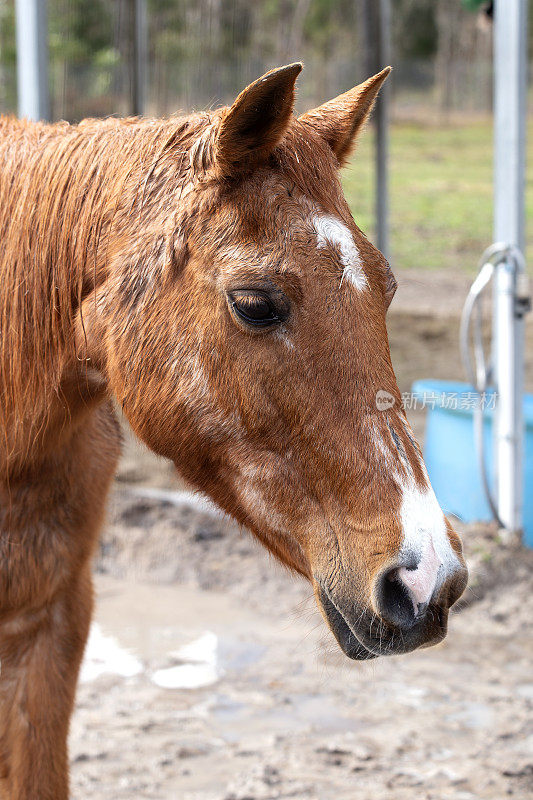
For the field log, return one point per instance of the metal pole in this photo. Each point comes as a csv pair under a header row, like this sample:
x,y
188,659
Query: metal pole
x,y
138,88
32,59
510,64
382,131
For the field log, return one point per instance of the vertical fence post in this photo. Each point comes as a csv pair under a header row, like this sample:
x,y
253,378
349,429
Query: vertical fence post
x,y
32,59
382,130
139,58
510,68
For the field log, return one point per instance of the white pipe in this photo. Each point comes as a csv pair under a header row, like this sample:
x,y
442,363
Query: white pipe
x,y
382,116
32,59
509,386
510,65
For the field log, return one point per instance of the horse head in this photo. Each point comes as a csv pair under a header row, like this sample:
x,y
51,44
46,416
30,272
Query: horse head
x,y
247,342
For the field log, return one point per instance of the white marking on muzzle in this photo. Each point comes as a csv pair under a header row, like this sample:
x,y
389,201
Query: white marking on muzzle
x,y
423,580
331,230
425,538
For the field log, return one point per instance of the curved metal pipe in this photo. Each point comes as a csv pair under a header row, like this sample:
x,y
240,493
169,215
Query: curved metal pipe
x,y
480,372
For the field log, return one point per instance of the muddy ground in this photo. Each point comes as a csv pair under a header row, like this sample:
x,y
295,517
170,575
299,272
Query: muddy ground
x,y
210,674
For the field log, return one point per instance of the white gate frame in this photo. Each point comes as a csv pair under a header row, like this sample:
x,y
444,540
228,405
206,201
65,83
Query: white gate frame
x,y
32,59
510,84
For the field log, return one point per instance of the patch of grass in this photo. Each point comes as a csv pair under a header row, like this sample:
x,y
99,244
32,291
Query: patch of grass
x,y
441,205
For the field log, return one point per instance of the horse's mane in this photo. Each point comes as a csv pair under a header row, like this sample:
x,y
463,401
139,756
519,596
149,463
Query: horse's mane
x,y
60,188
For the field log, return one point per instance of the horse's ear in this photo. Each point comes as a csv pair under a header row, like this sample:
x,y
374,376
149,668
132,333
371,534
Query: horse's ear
x,y
257,120
340,120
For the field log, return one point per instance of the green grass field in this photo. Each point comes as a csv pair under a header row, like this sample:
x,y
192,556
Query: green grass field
x,y
440,194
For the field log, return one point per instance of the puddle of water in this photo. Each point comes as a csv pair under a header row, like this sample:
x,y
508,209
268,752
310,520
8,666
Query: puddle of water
x,y
184,639
475,716
203,669
237,655
525,690
186,676
202,649
260,716
153,631
104,655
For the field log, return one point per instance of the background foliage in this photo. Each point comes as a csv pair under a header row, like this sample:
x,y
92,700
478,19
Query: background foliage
x,y
202,52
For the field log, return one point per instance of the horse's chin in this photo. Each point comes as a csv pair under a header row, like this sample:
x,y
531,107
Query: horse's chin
x,y
347,640
386,641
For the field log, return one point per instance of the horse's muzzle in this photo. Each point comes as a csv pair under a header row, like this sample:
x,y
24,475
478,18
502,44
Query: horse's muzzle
x,y
363,634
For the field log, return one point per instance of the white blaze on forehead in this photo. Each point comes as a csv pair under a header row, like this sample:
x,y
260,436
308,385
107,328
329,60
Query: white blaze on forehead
x,y
332,231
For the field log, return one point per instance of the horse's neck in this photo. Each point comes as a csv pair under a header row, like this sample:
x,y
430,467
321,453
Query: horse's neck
x,y
55,210
69,197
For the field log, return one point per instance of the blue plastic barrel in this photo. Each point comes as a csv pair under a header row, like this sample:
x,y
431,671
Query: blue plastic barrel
x,y
450,453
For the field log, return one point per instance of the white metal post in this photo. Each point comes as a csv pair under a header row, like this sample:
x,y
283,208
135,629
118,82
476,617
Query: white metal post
x,y
510,64
32,59
140,46
382,130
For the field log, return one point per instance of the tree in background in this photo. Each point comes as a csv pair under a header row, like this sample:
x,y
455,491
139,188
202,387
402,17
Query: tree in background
x,y
85,49
8,56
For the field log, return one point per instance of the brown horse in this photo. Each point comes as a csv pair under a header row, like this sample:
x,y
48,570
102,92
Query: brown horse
x,y
205,272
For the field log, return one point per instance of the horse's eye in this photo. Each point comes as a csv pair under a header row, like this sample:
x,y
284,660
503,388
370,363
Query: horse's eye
x,y
254,309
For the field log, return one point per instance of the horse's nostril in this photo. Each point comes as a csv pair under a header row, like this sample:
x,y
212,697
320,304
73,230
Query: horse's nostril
x,y
404,593
422,608
394,602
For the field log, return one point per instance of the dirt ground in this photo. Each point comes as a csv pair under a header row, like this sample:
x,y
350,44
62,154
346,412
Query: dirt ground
x,y
210,674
